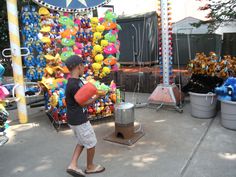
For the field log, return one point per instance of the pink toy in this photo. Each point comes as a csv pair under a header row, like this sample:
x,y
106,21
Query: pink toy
x,y
77,20
3,92
110,49
101,20
78,48
115,67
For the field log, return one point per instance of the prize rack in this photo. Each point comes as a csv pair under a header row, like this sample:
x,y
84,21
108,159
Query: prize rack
x,y
60,35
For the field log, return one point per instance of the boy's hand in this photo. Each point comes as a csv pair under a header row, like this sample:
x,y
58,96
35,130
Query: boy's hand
x,y
102,93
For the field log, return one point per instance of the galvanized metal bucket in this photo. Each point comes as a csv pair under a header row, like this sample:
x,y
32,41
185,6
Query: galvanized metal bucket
x,y
124,113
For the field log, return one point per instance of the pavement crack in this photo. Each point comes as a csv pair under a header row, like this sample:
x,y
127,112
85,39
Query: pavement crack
x,y
195,149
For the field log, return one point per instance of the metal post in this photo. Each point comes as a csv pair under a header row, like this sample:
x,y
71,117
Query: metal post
x,y
16,59
166,94
165,42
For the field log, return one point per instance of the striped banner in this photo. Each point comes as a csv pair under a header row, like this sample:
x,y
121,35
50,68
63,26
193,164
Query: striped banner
x,y
72,6
16,59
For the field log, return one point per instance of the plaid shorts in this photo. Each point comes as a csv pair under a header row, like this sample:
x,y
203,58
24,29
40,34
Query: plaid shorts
x,y
85,135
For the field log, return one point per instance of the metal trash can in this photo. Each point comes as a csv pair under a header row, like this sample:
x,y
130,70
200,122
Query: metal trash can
x,y
124,120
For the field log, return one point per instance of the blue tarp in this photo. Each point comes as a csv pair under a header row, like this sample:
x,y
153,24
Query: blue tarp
x,y
72,5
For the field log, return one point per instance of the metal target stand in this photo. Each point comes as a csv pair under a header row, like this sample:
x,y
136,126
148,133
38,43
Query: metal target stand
x,y
166,94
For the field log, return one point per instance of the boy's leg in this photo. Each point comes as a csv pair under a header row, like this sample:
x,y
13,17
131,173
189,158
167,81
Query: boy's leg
x,y
90,156
74,162
91,167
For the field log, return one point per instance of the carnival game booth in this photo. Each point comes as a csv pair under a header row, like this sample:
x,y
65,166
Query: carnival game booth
x,y
52,31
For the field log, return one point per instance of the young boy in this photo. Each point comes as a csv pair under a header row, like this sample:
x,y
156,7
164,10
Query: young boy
x,y
78,120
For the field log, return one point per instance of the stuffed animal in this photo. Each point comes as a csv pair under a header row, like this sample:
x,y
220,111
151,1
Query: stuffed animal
x,y
105,72
97,49
99,58
110,49
104,43
228,90
100,28
31,73
96,68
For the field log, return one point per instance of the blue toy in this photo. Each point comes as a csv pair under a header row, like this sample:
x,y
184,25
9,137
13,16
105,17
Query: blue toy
x,y
31,74
61,97
26,14
34,14
2,70
39,72
227,91
41,60
29,60
29,44
37,45
27,30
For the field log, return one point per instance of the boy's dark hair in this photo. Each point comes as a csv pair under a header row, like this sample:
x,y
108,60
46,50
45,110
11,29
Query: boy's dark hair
x,y
73,61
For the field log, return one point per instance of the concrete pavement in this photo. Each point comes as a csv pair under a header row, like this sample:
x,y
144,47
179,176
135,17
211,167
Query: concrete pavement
x,y
174,145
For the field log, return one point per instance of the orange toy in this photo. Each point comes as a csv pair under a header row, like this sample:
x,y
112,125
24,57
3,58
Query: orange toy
x,y
110,61
109,25
68,32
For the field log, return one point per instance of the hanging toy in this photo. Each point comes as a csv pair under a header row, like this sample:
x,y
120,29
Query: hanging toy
x,y
29,44
2,70
77,21
53,100
109,25
40,60
100,28
79,37
67,42
97,49
110,61
90,36
111,36
26,15
96,37
110,49
116,67
31,73
26,31
3,92
40,73
99,58
96,68
78,48
66,21
94,23
66,55
34,14
85,22
110,16
29,60
104,43
44,12
105,72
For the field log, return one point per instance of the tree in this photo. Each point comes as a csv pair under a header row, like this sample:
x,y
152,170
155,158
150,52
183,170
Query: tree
x,y
220,11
